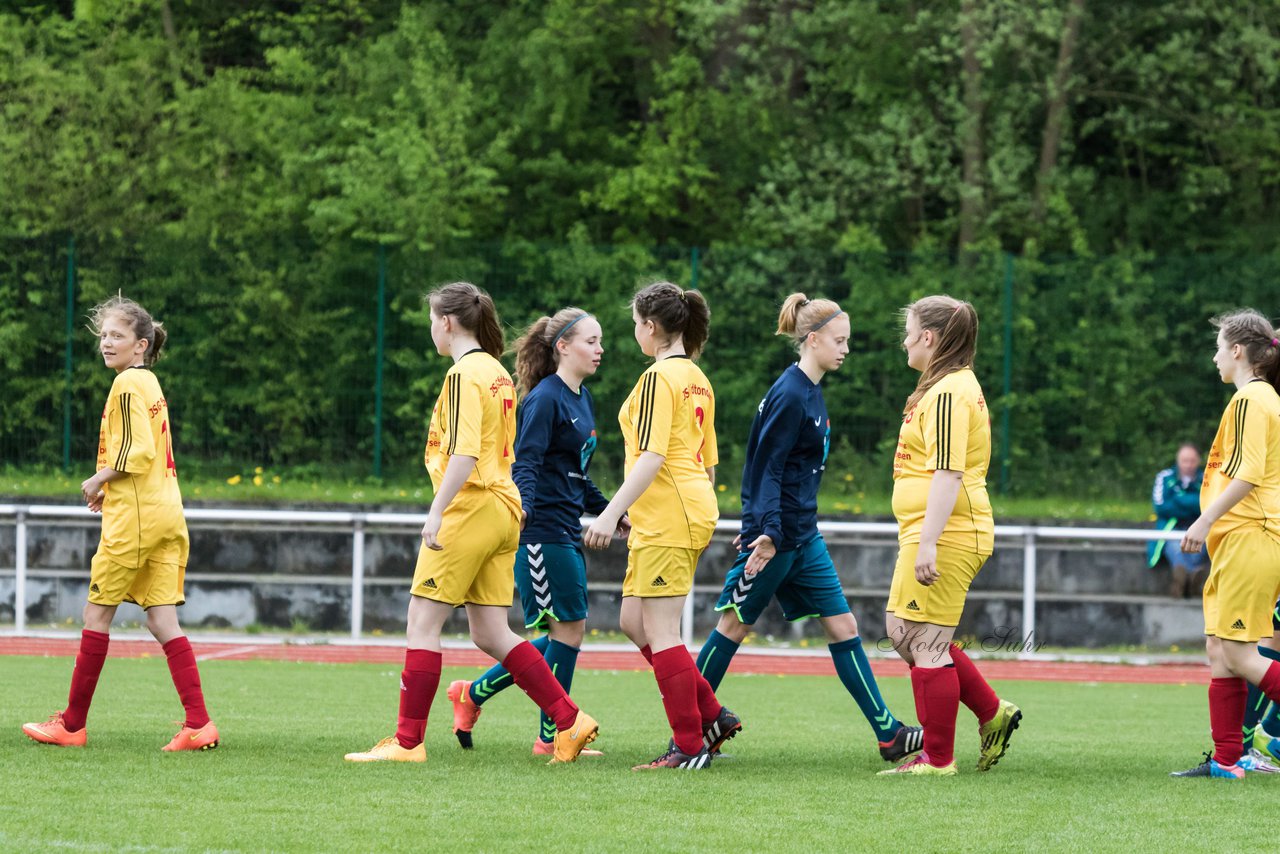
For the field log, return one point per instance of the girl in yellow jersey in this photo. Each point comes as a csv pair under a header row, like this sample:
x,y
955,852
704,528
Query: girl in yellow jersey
x,y
471,534
945,533
142,556
668,426
1240,523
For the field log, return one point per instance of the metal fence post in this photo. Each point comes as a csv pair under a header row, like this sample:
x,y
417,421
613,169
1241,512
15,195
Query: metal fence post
x,y
380,353
1028,592
66,390
20,574
1005,430
357,578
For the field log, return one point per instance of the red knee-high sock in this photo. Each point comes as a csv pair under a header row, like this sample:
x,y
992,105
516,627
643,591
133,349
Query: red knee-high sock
x,y
708,706
418,683
940,692
529,670
186,678
1270,684
89,661
974,690
678,682
1226,717
647,653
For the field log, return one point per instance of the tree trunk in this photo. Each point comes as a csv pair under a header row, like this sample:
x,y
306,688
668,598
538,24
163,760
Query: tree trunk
x,y
971,194
1057,106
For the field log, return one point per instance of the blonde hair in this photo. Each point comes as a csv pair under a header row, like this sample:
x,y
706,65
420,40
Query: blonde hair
x,y
800,316
955,323
138,318
536,354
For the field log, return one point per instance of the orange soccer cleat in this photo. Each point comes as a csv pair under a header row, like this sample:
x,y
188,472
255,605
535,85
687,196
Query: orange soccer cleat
x,y
189,738
548,748
465,712
54,732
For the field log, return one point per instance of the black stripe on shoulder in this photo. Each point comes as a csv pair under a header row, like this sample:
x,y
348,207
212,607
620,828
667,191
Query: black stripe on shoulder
x,y
451,400
126,428
644,424
1237,451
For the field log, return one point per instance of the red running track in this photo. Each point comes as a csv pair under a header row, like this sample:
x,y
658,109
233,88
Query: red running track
x,y
796,665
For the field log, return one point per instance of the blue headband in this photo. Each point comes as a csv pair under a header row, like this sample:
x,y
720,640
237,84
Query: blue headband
x,y
828,319
567,327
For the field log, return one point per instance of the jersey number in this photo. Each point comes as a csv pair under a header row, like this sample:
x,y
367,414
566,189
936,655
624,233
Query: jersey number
x,y
508,404
698,416
168,447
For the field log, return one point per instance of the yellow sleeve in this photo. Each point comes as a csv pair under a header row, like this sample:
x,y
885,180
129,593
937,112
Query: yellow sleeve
x,y
1246,453
466,415
657,409
710,450
130,446
946,431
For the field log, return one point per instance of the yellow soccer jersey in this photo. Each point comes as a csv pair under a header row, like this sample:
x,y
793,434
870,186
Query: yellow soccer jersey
x,y
475,416
671,411
1247,446
950,429
135,438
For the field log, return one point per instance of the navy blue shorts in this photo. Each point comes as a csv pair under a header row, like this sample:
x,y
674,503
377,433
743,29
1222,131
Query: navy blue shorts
x,y
552,580
803,579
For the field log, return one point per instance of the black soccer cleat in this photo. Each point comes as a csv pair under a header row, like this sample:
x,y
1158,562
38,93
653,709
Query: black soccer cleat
x,y
906,741
674,758
724,727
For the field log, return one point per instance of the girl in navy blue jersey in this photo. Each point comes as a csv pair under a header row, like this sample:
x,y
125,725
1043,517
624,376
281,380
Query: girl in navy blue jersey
x,y
781,553
555,438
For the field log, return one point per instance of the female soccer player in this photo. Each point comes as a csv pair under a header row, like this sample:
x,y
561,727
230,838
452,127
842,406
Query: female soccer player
x,y
142,555
555,438
781,552
668,426
471,533
1239,502
945,533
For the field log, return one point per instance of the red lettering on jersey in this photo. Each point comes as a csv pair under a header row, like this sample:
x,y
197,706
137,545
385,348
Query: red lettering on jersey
x,y
157,407
499,384
693,389
906,419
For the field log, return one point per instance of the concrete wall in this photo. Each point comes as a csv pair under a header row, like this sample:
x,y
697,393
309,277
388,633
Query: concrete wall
x,y
1088,595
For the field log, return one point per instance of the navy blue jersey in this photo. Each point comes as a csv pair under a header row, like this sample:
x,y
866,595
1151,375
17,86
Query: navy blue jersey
x,y
555,438
786,455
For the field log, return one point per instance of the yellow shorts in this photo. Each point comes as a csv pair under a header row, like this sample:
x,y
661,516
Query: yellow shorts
x,y
153,574
1243,585
480,537
657,571
942,602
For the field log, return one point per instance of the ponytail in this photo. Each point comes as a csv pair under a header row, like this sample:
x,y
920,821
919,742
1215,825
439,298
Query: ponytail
x,y
679,312
955,323
801,315
536,355
474,310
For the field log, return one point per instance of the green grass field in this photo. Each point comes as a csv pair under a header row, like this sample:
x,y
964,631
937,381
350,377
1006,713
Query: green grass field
x,y
1087,771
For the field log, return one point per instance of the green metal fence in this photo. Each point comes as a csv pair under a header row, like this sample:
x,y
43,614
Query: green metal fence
x,y
318,358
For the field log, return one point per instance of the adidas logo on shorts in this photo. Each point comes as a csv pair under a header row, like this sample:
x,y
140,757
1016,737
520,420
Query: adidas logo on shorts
x,y
93,588
912,606
659,582
430,584
1238,624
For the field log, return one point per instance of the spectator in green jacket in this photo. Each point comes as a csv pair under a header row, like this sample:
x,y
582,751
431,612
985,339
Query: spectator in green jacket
x,y
1176,498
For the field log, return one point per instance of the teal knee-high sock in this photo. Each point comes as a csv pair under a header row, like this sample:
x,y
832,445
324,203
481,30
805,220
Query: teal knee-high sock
x,y
497,679
855,672
713,660
1255,705
561,658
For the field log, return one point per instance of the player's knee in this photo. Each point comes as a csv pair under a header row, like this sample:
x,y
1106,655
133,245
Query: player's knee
x,y
570,634
840,628
97,618
732,628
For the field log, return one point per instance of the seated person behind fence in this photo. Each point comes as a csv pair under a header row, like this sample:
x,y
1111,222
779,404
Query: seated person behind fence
x,y
1176,498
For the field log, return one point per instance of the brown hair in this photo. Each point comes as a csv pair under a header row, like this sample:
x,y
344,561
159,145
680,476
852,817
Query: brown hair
x,y
474,311
1254,333
139,319
536,354
801,315
677,311
955,323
